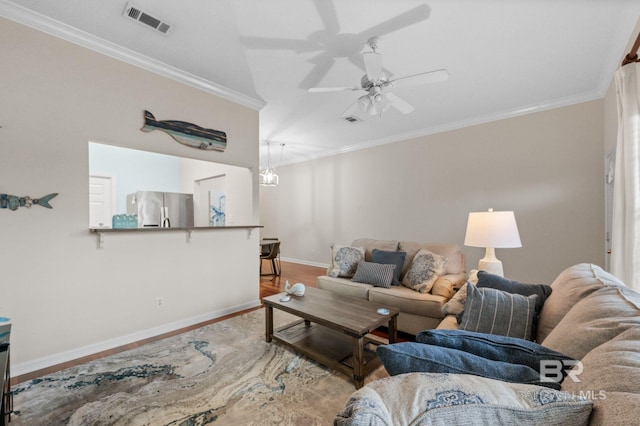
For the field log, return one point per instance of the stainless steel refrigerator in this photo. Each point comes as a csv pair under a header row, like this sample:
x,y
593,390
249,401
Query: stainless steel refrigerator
x,y
161,209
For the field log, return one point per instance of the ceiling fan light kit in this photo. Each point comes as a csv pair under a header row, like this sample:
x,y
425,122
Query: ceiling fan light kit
x,y
379,98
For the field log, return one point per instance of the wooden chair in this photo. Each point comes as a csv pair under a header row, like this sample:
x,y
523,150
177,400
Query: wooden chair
x,y
271,252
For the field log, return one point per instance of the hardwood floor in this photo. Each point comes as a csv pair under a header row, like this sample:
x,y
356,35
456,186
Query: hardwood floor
x,y
293,272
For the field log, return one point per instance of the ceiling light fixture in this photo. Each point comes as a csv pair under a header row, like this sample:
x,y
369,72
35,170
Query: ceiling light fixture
x,y
269,177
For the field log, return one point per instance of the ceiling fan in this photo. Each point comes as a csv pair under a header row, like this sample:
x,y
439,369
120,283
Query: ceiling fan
x,y
375,82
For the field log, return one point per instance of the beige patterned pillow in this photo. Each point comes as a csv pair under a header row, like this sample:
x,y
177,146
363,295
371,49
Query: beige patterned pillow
x,y
425,269
345,261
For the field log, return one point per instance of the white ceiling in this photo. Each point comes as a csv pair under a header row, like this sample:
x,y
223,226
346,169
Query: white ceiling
x,y
504,57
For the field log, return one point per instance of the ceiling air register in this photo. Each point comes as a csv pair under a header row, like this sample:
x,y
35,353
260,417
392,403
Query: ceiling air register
x,y
146,19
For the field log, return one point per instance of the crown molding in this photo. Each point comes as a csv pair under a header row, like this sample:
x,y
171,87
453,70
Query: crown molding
x,y
66,32
447,127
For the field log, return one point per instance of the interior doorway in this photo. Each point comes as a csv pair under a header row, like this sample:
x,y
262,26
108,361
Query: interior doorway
x,y
101,201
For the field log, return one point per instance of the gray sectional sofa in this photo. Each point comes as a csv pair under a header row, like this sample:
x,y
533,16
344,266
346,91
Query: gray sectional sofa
x,y
418,311
590,316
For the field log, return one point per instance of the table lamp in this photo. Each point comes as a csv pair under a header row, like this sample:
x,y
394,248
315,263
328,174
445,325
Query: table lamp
x,y
492,230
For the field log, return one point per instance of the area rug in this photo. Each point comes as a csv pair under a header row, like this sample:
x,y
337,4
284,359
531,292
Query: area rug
x,y
223,374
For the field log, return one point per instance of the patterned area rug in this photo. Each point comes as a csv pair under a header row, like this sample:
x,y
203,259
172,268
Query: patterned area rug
x,y
224,373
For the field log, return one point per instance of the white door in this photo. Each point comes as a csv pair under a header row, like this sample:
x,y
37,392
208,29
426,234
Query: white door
x,y
101,201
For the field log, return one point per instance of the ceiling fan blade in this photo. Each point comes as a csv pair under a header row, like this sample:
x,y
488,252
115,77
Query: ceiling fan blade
x,y
333,89
399,104
373,65
422,78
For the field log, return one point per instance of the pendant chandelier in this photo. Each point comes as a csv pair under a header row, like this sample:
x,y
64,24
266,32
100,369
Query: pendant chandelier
x,y
269,177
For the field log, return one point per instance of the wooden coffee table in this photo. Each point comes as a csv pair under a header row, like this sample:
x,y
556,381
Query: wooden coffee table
x,y
334,330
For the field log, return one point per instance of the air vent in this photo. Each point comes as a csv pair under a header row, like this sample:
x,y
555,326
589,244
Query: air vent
x,y
146,19
352,119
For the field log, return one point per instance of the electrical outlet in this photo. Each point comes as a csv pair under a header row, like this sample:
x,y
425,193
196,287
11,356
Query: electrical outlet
x,y
159,302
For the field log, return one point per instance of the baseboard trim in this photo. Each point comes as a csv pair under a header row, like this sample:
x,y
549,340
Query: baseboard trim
x,y
304,262
62,357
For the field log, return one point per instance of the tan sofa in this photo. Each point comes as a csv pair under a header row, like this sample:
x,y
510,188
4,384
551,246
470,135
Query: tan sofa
x,y
590,316
418,311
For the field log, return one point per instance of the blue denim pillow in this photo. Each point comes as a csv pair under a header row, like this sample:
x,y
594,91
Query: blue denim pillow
x,y
390,257
412,357
493,347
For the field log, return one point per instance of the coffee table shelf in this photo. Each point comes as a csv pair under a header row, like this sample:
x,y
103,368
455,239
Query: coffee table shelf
x,y
329,347
333,330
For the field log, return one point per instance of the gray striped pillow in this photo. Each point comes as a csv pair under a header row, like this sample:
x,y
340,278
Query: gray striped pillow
x,y
492,311
376,274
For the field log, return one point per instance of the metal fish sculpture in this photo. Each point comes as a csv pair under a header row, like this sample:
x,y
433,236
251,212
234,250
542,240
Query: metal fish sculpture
x,y
186,133
12,202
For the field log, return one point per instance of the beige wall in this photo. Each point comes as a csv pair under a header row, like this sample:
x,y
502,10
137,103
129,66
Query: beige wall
x,y
546,166
67,298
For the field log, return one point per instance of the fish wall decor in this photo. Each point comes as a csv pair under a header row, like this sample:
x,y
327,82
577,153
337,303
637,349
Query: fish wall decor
x,y
186,133
12,202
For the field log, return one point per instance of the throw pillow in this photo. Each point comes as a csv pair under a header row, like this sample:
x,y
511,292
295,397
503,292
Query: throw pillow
x,y
345,260
424,271
457,399
485,279
493,347
455,305
413,357
497,312
376,274
390,257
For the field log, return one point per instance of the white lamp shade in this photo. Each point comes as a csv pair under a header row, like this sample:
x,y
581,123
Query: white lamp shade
x,y
492,229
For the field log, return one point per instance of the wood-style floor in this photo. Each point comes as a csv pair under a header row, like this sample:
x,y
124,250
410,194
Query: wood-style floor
x,y
269,285
292,272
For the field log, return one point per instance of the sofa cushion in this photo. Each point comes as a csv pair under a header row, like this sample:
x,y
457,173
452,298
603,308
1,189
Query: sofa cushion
x,y
494,347
390,257
446,285
425,269
457,399
376,274
409,301
453,252
344,286
571,286
597,318
610,376
497,312
414,357
370,244
345,260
